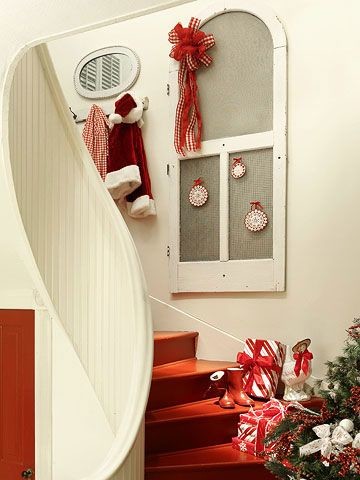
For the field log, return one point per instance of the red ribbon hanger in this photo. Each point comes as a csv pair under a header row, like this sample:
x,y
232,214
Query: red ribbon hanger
x,y
255,364
256,206
302,362
197,182
190,45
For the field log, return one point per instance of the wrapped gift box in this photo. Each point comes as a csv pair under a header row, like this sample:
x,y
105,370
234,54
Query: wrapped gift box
x,y
262,361
255,425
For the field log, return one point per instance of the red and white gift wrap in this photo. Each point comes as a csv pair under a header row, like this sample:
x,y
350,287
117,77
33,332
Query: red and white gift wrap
x,y
262,361
255,425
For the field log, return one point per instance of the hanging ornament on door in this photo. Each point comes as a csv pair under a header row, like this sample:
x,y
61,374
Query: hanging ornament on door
x,y
256,219
198,194
238,168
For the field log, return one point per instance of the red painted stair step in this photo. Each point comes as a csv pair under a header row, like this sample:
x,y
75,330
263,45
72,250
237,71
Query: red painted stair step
x,y
172,347
186,436
210,463
168,429
182,382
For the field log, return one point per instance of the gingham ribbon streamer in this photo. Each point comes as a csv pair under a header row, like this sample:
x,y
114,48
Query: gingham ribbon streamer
x,y
190,45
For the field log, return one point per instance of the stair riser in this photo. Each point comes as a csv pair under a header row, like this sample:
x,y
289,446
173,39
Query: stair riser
x,y
175,391
190,433
174,349
243,472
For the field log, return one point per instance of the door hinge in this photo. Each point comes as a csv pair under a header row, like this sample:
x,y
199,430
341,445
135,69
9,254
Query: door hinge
x,y
168,89
168,251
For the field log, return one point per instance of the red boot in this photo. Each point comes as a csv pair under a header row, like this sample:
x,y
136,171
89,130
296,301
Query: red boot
x,y
236,388
225,400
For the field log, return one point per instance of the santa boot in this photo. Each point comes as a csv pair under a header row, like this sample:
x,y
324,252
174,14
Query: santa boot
x,y
225,399
235,387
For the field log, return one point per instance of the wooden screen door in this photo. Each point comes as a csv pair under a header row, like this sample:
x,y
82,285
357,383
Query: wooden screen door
x,y
17,403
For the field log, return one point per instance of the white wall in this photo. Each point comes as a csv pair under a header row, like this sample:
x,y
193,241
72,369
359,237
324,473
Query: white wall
x,y
82,436
323,250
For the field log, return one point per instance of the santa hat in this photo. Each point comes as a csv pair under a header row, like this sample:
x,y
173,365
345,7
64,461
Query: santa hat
x,y
122,108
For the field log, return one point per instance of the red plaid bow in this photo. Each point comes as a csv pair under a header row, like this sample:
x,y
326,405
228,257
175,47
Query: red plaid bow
x,y
190,45
302,362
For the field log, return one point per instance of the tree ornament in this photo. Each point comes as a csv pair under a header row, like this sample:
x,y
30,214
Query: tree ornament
x,y
256,219
238,168
198,194
347,424
190,45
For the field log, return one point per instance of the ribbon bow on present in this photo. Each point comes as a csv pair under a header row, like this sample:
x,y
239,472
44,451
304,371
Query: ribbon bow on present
x,y
190,45
302,362
326,441
275,410
255,364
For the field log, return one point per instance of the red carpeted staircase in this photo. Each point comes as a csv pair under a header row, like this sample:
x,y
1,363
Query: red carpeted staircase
x,y
189,437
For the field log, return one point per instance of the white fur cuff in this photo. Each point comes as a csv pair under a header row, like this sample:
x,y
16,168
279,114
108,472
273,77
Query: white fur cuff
x,y
123,182
141,207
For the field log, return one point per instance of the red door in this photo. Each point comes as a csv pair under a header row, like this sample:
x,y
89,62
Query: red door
x,y
17,402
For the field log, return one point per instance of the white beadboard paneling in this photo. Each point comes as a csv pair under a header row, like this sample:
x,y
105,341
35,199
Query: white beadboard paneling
x,y
82,248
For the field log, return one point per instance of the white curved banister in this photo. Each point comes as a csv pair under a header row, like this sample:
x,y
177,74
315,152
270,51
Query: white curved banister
x,y
91,275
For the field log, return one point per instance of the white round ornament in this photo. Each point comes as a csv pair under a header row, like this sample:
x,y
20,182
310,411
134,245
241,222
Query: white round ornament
x,y
256,219
198,194
238,168
347,424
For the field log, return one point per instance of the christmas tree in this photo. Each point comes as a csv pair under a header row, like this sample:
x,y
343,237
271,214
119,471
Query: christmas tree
x,y
309,445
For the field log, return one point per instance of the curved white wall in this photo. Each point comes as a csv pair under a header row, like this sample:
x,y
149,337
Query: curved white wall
x,y
92,279
24,23
323,252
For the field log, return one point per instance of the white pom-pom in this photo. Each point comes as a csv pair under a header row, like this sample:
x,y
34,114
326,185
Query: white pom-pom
x,y
115,118
347,424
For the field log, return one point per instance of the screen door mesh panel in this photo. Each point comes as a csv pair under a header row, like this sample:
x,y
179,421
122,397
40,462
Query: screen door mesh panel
x,y
199,226
255,185
236,91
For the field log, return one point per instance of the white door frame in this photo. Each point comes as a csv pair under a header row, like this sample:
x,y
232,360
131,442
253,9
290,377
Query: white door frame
x,y
236,275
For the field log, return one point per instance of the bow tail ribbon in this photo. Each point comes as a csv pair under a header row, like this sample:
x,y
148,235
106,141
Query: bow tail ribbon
x,y
179,138
302,362
322,445
193,131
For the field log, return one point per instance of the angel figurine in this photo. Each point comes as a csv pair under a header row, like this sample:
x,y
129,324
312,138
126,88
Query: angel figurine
x,y
296,370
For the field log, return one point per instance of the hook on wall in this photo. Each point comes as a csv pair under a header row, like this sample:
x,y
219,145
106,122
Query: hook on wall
x,y
73,114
